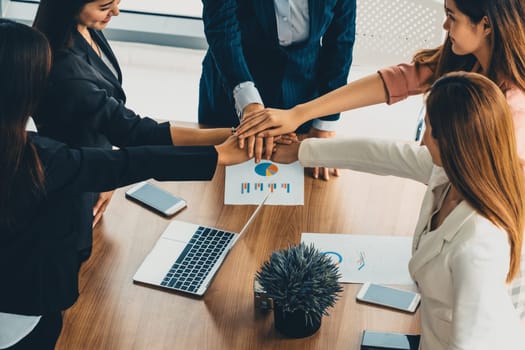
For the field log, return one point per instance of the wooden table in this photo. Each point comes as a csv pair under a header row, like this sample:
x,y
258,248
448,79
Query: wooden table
x,y
114,313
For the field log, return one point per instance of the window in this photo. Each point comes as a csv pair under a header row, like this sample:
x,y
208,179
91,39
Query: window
x,y
162,22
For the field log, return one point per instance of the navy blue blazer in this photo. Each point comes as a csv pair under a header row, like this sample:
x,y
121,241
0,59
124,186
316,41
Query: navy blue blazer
x,y
84,106
244,46
38,255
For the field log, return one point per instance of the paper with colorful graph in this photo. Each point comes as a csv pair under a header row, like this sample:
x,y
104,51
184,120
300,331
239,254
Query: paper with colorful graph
x,y
248,183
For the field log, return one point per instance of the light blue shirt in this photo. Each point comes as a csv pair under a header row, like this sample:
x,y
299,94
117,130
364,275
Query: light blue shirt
x,y
293,26
293,21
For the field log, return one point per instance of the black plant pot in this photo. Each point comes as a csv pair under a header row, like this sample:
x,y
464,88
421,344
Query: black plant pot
x,y
294,324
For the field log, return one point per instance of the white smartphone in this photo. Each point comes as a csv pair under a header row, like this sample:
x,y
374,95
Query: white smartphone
x,y
380,340
156,198
390,297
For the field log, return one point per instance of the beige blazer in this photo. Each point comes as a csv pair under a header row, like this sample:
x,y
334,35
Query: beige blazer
x,y
460,268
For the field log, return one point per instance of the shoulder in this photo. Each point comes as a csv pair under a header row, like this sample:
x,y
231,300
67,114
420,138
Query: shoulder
x,y
479,238
516,99
69,64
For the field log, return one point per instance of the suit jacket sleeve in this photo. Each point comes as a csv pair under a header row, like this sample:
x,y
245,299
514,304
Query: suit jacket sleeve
x,y
96,170
378,157
90,106
479,266
224,39
336,50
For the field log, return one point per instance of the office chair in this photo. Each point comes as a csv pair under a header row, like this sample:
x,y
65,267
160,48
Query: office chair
x,y
390,32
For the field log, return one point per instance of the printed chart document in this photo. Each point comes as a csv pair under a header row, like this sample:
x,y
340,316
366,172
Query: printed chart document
x,y
248,183
366,258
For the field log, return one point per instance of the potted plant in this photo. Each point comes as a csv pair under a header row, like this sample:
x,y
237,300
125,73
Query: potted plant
x,y
303,283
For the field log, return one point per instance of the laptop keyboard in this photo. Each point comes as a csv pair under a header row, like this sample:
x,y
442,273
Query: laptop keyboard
x,y
197,259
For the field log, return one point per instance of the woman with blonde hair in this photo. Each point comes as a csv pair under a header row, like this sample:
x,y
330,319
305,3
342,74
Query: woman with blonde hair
x,y
485,36
468,240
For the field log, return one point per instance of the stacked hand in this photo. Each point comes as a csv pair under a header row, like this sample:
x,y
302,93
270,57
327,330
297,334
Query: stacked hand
x,y
101,206
262,128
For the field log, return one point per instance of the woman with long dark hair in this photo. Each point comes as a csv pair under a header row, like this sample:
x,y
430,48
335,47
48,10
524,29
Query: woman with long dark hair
x,y
85,104
41,179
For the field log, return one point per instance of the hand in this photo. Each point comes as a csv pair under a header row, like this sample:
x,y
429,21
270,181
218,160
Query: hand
x,y
229,152
252,141
325,172
101,205
286,153
265,146
269,122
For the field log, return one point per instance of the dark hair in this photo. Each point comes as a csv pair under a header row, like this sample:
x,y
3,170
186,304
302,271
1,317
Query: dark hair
x,y
507,62
57,19
471,121
24,65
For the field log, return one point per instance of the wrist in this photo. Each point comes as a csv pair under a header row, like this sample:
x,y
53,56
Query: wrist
x,y
300,113
220,157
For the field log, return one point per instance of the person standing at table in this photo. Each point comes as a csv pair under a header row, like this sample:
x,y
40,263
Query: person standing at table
x,y
41,180
85,104
468,239
485,36
276,53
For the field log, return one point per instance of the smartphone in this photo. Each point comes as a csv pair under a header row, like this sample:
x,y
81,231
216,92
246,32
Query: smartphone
x,y
390,297
155,198
382,341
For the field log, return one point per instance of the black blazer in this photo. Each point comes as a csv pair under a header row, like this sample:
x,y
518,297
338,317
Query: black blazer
x,y
38,257
84,105
244,46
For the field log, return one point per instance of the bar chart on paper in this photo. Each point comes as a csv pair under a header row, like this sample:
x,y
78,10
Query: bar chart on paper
x,y
248,183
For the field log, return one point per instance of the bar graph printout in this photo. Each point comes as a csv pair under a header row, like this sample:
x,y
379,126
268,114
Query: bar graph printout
x,y
248,183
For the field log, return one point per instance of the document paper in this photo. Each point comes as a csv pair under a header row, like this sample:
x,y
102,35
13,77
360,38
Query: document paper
x,y
366,258
248,183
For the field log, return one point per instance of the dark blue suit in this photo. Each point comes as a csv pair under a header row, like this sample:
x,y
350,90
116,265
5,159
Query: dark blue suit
x,y
244,46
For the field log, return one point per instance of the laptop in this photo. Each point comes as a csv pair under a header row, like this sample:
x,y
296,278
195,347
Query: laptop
x,y
187,256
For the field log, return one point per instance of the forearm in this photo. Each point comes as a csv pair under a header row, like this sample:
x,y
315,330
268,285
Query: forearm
x,y
367,91
181,136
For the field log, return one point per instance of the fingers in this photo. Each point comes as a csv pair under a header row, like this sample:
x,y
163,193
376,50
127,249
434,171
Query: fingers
x,y
249,123
287,139
100,203
99,210
258,125
259,148
251,146
97,218
268,145
241,143
324,173
315,173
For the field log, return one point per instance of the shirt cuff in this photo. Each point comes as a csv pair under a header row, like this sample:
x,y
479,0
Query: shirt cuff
x,y
244,94
325,125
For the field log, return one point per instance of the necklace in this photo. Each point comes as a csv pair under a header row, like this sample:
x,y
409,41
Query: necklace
x,y
94,46
87,36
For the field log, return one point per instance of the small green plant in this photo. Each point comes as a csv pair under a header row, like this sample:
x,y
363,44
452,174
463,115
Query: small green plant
x,y
301,278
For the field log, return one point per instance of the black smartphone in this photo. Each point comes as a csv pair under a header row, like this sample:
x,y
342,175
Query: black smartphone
x,y
155,198
388,341
399,299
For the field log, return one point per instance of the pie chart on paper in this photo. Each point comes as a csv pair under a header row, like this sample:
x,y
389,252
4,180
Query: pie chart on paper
x,y
266,169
